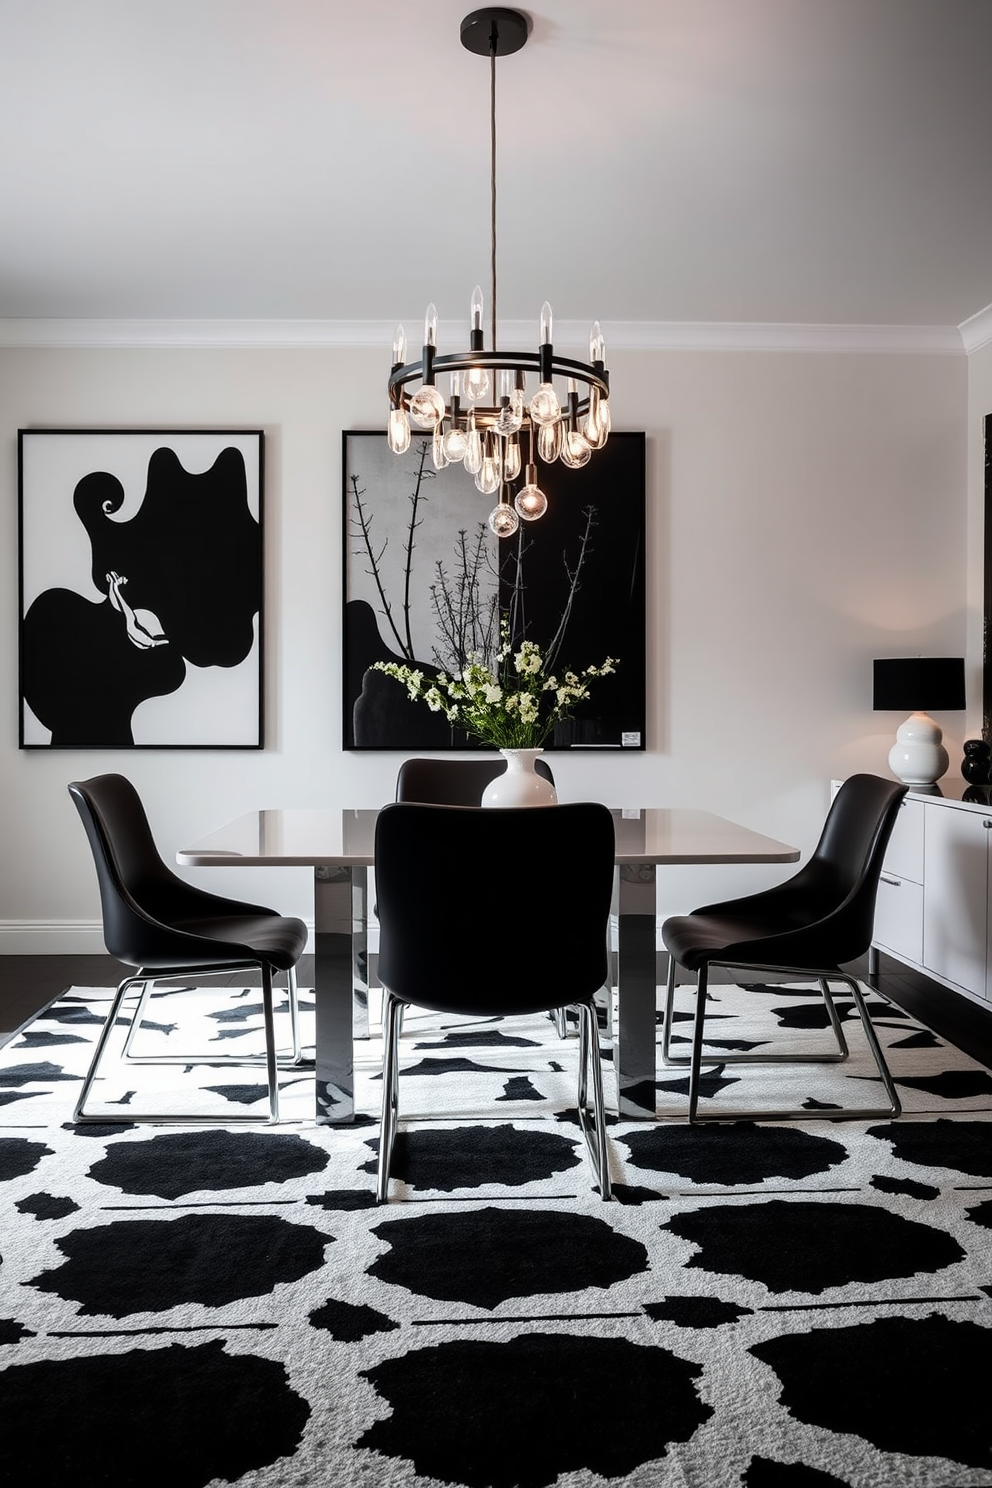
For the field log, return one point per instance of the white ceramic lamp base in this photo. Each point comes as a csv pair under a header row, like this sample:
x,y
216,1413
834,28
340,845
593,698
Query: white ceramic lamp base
x,y
918,757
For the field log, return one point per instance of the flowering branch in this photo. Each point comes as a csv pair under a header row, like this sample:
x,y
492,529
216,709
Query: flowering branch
x,y
512,706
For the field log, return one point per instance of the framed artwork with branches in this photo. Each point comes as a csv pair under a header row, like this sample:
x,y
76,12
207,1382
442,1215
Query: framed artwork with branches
x,y
427,583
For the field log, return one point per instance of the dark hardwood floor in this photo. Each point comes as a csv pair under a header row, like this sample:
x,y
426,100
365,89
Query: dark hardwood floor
x,y
28,983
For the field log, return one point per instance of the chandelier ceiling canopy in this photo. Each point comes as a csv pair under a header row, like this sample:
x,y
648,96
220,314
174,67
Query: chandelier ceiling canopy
x,y
505,409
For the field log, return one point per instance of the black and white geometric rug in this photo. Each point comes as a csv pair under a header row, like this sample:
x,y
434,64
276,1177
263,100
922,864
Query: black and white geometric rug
x,y
793,1305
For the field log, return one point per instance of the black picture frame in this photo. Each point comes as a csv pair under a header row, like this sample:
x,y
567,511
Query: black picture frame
x,y
987,598
421,565
141,588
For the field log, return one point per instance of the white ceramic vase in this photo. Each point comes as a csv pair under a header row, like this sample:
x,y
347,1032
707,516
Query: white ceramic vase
x,y
520,784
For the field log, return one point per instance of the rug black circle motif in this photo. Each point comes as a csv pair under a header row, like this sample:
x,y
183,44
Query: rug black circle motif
x,y
485,1256
961,1146
149,1265
443,1160
742,1153
791,1245
210,1160
176,1415
910,1385
522,1414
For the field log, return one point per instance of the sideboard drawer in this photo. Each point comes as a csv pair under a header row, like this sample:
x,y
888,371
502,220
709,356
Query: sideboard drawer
x,y
899,916
904,854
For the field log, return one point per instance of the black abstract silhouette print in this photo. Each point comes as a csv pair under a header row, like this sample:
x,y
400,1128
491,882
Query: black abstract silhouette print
x,y
178,585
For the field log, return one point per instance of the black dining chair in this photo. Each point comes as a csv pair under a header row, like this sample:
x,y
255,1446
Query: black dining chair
x,y
457,782
167,929
494,966
804,928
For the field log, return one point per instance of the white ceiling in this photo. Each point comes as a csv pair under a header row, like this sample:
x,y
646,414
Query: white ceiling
x,y
784,161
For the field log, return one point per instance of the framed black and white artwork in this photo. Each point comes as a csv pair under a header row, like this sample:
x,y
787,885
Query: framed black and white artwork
x,y
426,581
140,588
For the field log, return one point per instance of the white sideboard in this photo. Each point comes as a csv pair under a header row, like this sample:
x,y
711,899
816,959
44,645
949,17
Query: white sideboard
x,y
932,910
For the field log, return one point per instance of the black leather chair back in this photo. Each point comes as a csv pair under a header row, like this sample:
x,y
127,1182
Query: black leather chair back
x,y
494,911
448,782
823,915
142,901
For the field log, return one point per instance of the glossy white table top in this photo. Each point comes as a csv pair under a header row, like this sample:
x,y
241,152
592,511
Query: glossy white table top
x,y
313,838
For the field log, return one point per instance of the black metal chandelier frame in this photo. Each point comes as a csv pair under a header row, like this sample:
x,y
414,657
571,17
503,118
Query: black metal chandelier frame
x,y
497,32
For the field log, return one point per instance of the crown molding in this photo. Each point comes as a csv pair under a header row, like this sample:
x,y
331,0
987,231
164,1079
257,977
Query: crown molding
x,y
621,335
976,331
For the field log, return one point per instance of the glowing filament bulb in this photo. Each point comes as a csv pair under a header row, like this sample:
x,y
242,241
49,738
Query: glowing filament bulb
x,y
530,501
575,451
398,432
511,460
399,347
437,446
473,446
430,326
477,383
455,444
549,442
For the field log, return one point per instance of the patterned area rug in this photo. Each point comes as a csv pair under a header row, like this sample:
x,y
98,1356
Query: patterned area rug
x,y
792,1305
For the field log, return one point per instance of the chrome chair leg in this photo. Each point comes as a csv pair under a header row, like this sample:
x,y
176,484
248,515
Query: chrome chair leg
x,y
145,979
823,978
392,1012
293,994
270,1043
667,1057
595,1131
217,1060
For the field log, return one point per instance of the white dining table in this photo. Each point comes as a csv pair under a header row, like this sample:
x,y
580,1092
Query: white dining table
x,y
339,846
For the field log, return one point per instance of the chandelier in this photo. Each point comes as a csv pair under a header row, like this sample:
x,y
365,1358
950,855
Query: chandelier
x,y
504,410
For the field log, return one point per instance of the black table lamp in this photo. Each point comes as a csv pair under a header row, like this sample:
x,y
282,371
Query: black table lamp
x,y
919,683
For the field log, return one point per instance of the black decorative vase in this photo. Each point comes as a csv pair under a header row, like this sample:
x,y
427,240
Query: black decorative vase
x,y
976,767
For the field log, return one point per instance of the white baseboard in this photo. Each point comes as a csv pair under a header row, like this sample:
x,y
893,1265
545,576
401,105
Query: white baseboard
x,y
60,938
51,938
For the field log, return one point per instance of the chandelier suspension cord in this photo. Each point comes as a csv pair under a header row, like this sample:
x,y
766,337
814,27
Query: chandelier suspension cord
x,y
493,42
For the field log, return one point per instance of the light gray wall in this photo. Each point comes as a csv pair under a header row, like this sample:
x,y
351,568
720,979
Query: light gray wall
x,y
806,513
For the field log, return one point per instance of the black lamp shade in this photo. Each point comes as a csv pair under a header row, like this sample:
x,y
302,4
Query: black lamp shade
x,y
919,684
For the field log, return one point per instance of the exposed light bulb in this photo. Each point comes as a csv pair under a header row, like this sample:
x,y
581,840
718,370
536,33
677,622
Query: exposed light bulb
x,y
511,413
597,346
487,479
592,426
427,406
503,520
473,446
398,432
430,326
530,501
544,406
399,347
437,446
549,442
575,450
455,443
511,460
476,383
547,323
